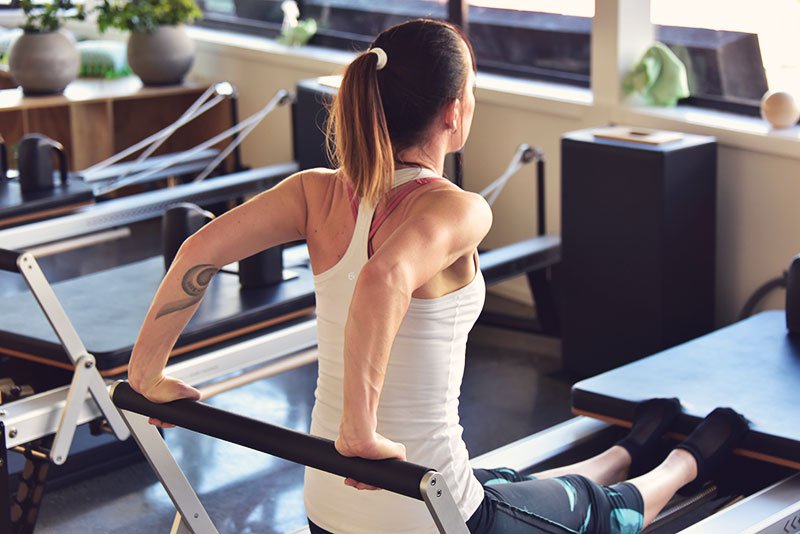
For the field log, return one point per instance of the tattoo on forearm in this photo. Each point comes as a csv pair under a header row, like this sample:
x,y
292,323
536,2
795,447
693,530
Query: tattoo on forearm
x,y
194,284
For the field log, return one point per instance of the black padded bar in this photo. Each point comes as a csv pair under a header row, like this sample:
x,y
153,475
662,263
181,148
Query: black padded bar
x,y
8,260
520,258
392,475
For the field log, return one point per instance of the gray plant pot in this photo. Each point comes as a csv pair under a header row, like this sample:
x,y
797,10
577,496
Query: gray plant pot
x,y
44,63
162,57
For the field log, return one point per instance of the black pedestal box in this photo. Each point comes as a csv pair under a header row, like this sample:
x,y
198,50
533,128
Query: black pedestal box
x,y
638,247
309,120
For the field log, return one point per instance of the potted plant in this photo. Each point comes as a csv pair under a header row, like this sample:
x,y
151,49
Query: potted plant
x,y
159,50
44,59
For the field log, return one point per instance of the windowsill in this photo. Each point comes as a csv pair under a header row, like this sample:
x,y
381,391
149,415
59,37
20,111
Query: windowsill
x,y
252,46
531,95
731,129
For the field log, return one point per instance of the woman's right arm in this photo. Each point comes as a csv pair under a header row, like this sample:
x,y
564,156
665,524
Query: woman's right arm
x,y
274,217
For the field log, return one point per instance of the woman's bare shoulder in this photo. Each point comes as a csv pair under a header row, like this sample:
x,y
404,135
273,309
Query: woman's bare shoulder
x,y
319,181
448,207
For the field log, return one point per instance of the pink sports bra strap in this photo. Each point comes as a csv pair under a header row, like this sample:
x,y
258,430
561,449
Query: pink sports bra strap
x,y
395,200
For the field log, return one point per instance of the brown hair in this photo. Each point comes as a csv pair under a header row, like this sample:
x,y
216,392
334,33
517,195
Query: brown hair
x,y
378,113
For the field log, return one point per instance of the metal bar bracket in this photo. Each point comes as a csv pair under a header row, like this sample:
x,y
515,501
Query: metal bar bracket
x,y
5,489
441,504
192,516
86,378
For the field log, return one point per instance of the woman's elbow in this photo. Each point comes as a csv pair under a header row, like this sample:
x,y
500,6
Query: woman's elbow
x,y
380,278
194,250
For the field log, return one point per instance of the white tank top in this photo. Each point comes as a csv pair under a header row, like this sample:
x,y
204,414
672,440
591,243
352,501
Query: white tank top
x,y
419,401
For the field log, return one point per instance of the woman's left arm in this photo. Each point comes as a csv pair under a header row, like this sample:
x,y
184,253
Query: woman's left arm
x,y
442,227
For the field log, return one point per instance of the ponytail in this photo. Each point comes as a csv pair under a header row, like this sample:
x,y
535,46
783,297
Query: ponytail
x,y
358,138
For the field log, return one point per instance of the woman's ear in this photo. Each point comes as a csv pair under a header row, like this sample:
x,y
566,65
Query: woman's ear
x,y
452,114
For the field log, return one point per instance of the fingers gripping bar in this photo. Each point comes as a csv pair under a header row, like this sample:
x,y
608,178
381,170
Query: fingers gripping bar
x,y
396,476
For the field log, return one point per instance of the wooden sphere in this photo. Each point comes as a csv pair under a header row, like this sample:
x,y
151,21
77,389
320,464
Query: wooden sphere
x,y
779,109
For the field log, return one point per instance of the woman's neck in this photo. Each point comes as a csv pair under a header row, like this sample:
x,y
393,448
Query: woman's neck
x,y
430,156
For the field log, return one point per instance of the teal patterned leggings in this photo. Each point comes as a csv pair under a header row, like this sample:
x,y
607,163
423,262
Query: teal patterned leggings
x,y
514,503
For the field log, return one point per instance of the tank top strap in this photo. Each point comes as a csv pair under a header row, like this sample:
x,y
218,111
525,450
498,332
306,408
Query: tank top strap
x,y
405,181
366,213
399,193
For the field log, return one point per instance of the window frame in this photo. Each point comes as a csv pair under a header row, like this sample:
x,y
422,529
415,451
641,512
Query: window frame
x,y
457,12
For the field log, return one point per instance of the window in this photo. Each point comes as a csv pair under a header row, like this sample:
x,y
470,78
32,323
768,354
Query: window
x,y
354,23
543,39
734,50
346,24
252,16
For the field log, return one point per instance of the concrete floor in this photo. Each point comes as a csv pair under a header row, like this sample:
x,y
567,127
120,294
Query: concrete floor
x,y
512,388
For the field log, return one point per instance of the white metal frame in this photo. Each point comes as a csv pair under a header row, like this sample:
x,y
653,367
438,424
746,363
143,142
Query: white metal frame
x,y
85,380
191,516
127,210
37,416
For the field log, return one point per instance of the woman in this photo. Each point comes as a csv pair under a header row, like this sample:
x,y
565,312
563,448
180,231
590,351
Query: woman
x,y
393,249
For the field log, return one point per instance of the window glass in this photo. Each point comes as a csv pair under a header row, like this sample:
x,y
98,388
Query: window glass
x,y
735,50
254,15
354,23
544,39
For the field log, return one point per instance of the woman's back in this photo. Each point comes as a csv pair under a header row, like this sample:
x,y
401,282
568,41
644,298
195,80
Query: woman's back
x,y
419,400
330,224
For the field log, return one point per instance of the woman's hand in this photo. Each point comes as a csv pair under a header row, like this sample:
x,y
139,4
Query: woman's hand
x,y
374,447
166,389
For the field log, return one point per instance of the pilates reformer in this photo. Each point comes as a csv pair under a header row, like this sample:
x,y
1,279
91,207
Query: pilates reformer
x,y
30,418
115,175
758,493
60,410
41,425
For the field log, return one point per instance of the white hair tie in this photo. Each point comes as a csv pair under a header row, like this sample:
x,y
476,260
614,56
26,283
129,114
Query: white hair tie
x,y
382,57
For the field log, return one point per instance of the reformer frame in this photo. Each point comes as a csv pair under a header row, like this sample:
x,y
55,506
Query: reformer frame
x,y
535,257
774,509
404,478
59,411
148,205
84,400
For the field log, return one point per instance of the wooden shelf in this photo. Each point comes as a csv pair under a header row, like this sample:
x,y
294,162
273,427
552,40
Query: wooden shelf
x,y
95,119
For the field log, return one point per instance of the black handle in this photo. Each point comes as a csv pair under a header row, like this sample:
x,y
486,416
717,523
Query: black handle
x,y
8,260
62,159
392,475
541,223
3,159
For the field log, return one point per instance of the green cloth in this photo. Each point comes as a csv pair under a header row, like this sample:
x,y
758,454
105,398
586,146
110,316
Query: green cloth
x,y
660,77
103,59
